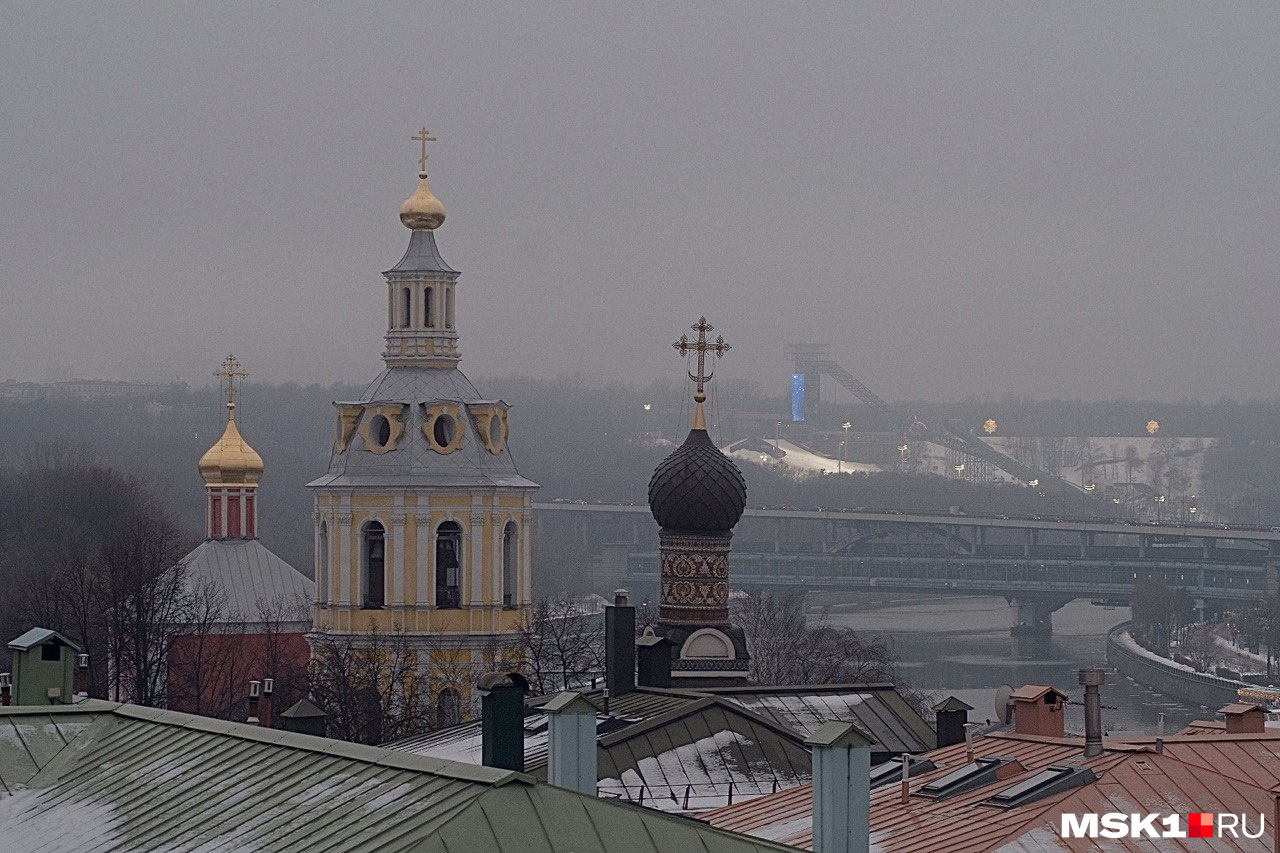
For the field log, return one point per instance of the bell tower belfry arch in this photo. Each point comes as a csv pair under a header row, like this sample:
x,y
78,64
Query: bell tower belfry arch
x,y
422,522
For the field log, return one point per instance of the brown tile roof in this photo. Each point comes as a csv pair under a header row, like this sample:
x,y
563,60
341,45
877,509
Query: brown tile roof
x,y
1210,771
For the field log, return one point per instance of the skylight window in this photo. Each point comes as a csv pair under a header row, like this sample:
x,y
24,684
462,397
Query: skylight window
x,y
891,771
1050,781
984,771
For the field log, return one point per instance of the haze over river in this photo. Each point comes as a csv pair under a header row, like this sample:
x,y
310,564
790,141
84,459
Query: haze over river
x,y
961,646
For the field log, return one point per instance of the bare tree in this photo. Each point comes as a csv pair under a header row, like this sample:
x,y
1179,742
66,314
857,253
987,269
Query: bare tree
x,y
1202,647
372,687
786,648
564,645
145,596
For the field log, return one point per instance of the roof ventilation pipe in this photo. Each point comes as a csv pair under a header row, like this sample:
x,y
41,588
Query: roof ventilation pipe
x,y
502,719
1092,679
841,788
571,760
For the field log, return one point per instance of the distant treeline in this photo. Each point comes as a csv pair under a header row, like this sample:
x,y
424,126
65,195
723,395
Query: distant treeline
x,y
583,439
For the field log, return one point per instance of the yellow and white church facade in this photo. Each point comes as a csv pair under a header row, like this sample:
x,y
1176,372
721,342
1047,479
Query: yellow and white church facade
x,y
422,521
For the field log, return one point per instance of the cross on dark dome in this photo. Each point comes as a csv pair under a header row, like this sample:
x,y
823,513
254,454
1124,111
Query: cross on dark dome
x,y
701,347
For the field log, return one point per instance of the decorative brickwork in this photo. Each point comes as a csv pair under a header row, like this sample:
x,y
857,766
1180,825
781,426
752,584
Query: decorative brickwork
x,y
695,579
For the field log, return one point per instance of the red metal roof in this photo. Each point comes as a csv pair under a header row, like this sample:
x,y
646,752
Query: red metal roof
x,y
1211,771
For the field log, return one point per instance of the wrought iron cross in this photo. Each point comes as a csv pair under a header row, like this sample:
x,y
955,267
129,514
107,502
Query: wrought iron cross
x,y
230,372
701,347
424,138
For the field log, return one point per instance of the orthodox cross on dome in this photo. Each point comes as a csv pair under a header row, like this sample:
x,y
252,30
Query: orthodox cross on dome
x,y
227,376
424,137
701,347
702,377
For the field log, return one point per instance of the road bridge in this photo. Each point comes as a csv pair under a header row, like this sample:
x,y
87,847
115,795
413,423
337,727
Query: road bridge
x,y
1038,564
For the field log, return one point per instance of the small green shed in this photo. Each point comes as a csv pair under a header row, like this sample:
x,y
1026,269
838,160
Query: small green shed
x,y
44,663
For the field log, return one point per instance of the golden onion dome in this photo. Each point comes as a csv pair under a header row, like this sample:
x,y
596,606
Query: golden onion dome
x,y
422,211
231,461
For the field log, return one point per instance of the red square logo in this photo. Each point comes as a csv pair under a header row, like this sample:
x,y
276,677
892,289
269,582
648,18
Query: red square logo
x,y
1200,825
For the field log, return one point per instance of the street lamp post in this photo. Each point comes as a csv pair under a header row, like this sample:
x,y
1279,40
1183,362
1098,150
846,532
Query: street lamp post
x,y
844,444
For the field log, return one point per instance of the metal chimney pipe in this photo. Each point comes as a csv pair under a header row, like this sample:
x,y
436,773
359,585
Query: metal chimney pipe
x,y
1091,679
571,756
1160,746
905,791
841,788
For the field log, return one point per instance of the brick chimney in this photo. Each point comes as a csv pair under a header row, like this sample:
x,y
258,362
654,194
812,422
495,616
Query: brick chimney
x,y
268,687
1039,709
620,646
82,676
1244,719
255,688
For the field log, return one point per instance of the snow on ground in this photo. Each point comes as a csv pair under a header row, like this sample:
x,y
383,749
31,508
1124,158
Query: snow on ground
x,y
804,460
1132,645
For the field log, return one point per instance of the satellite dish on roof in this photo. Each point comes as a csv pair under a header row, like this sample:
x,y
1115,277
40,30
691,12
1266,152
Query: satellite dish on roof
x,y
1004,704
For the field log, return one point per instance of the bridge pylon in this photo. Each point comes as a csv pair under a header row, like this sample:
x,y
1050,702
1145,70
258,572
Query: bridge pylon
x,y
1032,615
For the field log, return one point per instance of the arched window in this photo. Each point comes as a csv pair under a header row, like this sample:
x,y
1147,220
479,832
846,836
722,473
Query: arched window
x,y
406,312
510,559
448,307
448,708
375,565
322,564
449,564
428,296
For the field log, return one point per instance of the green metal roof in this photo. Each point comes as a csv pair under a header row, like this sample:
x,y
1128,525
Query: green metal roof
x,y
106,777
38,636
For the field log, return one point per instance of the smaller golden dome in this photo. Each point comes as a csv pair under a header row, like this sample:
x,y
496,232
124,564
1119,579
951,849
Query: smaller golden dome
x,y
422,211
231,461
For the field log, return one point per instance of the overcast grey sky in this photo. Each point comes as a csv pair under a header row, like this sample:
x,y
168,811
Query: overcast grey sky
x,y
1071,200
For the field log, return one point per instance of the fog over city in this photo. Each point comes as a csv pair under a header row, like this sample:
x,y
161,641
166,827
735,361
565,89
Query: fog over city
x,y
1070,202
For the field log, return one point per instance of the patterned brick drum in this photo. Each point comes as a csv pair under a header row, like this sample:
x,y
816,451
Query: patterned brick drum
x,y
695,579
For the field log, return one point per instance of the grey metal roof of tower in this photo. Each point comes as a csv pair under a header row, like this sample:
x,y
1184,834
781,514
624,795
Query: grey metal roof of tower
x,y
254,582
413,462
423,255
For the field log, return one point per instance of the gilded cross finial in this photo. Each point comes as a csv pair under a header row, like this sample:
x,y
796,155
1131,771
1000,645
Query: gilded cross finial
x,y
702,377
424,138
227,376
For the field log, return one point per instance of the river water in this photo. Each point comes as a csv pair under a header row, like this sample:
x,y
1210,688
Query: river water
x,y
961,646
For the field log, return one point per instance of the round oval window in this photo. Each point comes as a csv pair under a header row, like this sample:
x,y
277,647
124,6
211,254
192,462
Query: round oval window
x,y
444,430
495,430
382,430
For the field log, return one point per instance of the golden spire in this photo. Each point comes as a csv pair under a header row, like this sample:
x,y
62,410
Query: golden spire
x,y
231,461
422,211
701,347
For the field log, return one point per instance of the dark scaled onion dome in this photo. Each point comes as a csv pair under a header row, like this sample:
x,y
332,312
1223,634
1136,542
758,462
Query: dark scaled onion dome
x,y
697,488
